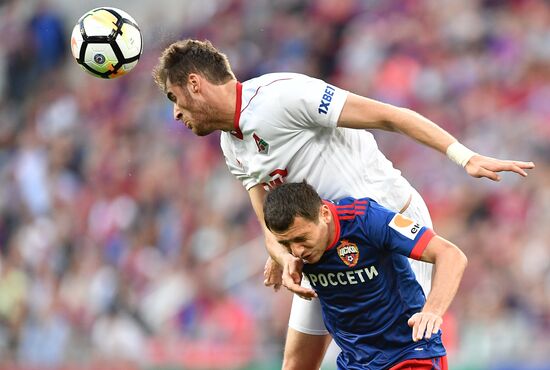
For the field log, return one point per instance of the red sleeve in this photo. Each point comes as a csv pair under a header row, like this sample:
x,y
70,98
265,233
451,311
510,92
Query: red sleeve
x,y
421,244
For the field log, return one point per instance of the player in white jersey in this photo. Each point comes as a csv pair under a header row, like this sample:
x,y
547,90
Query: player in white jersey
x,y
289,127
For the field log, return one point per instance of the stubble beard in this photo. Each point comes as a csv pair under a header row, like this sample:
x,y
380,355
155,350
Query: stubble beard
x,y
204,119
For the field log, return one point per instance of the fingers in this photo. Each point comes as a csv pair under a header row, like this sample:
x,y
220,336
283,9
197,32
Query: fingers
x,y
519,167
272,275
292,283
419,328
304,293
308,296
429,329
510,166
419,332
424,325
519,171
524,165
295,266
276,286
271,281
481,166
413,322
289,276
292,278
488,174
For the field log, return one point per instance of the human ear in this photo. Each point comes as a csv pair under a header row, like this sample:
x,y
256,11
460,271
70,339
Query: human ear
x,y
194,82
324,213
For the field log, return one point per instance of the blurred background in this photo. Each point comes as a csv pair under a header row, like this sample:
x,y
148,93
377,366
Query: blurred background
x,y
126,244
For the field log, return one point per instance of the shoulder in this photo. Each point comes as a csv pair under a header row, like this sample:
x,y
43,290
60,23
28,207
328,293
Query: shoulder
x,y
273,96
365,210
350,208
272,79
379,211
284,82
261,92
348,201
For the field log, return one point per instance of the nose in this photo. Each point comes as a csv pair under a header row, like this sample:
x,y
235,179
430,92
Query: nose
x,y
297,250
177,114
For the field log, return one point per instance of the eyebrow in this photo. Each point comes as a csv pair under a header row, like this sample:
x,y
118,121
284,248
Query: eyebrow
x,y
297,238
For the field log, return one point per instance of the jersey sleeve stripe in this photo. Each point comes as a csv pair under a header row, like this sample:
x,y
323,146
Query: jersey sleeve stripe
x,y
421,244
351,210
361,203
347,218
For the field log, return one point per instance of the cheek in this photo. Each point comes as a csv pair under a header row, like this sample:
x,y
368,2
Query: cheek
x,y
320,243
318,238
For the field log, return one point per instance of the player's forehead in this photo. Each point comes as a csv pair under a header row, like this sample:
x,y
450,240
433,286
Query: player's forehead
x,y
299,227
169,86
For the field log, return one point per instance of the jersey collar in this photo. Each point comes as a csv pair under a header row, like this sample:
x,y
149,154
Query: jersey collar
x,y
336,221
238,103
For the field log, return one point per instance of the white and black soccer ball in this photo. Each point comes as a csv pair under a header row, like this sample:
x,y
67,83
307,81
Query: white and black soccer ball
x,y
106,42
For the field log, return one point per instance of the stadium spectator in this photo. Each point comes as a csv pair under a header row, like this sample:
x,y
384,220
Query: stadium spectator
x,y
478,67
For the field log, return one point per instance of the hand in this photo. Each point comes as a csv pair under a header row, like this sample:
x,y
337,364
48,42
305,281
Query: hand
x,y
482,166
292,277
424,324
273,273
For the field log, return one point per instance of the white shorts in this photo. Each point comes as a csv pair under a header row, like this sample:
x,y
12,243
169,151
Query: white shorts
x,y
306,317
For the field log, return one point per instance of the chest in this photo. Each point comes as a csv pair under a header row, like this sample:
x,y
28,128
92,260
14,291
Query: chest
x,y
271,153
351,264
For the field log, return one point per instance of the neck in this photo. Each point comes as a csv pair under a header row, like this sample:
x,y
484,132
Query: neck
x,y
224,99
331,227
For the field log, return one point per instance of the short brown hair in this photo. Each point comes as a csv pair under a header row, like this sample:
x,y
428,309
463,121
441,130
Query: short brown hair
x,y
188,56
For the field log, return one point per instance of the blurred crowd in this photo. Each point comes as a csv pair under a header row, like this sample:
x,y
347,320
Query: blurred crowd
x,y
125,242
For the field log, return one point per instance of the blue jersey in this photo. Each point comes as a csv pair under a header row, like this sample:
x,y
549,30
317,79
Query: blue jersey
x,y
366,286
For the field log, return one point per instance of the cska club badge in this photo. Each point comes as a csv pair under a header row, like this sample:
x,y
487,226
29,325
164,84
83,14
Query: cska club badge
x,y
348,253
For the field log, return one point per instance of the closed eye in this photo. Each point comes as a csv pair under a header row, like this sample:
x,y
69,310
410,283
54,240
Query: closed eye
x,y
171,97
298,239
285,244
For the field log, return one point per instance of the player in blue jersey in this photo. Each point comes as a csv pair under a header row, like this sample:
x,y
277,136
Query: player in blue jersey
x,y
355,257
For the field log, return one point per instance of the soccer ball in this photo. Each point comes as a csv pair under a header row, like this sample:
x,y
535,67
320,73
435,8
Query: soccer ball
x,y
106,42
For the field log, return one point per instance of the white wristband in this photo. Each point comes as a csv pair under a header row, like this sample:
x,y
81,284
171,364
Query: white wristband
x,y
459,154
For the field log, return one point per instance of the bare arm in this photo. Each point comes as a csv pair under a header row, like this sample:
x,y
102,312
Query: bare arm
x,y
449,264
291,274
364,113
277,251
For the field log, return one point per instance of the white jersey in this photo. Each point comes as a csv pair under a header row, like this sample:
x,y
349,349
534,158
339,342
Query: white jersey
x,y
286,131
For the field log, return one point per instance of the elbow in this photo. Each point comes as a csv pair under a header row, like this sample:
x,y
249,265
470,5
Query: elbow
x,y
456,258
461,259
388,125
